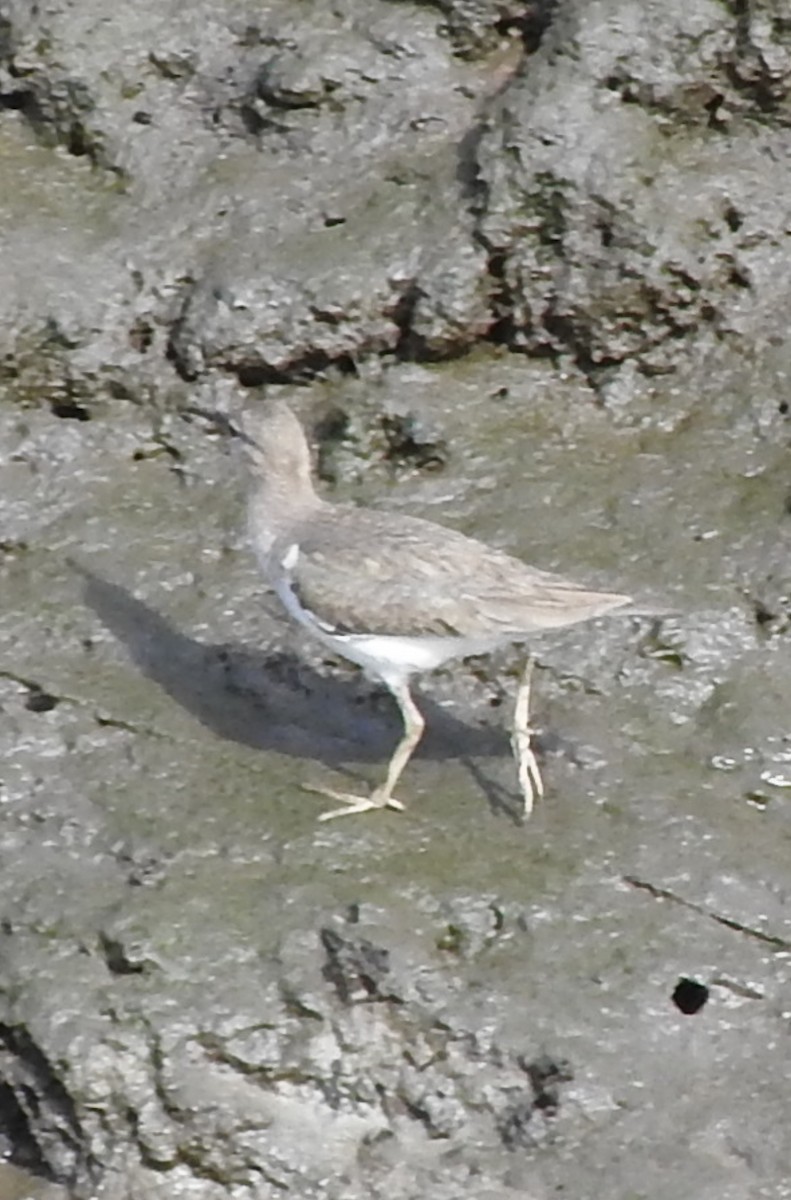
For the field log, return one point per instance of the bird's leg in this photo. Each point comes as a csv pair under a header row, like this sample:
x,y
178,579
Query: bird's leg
x,y
414,725
382,797
528,773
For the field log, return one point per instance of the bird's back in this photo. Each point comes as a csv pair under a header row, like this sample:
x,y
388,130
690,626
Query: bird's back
x,y
374,572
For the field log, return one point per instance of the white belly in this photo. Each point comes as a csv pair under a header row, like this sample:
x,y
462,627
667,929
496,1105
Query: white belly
x,y
382,656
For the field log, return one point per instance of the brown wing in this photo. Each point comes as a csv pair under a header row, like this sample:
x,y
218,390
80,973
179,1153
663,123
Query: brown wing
x,y
372,572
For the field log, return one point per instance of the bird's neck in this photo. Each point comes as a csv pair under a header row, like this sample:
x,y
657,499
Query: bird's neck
x,y
276,506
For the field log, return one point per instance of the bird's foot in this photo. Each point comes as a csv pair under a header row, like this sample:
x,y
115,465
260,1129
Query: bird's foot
x,y
351,803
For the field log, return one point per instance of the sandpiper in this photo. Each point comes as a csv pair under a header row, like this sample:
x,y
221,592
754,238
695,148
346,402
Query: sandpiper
x,y
396,594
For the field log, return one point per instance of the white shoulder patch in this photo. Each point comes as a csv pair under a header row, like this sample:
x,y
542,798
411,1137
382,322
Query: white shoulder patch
x,y
290,558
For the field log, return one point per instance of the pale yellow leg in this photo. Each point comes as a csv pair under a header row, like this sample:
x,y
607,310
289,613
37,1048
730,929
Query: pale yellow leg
x,y
528,772
382,797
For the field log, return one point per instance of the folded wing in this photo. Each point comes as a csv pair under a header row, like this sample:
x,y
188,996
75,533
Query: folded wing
x,y
362,571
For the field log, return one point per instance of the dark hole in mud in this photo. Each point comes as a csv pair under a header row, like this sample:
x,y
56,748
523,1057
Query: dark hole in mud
x,y
530,24
406,442
763,614
308,367
256,376
117,959
547,1075
69,410
141,335
15,101
733,218
689,996
713,107
39,701
76,141
738,278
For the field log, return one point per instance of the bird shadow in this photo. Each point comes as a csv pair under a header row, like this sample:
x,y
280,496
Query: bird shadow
x,y
275,700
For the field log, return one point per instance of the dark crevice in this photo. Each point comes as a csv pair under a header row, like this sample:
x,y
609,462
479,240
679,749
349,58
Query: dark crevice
x,y
562,330
355,967
733,218
547,1076
13,546
757,90
662,893
409,344
502,331
713,108
18,1144
253,375
39,1114
468,172
117,958
257,124
311,365
17,100
530,25
748,73
406,443
69,410
59,127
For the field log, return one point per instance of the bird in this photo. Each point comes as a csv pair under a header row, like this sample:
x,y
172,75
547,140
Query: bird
x,y
396,594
